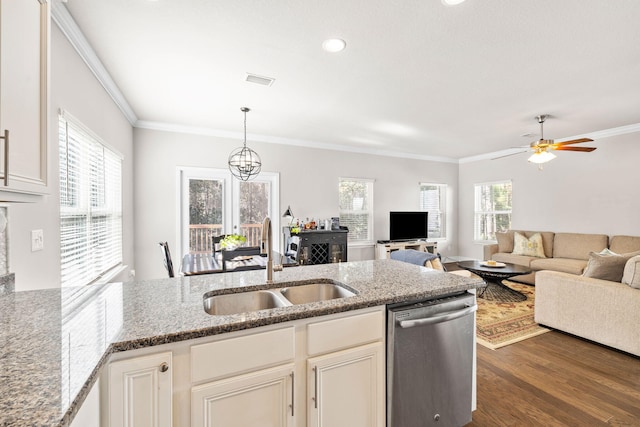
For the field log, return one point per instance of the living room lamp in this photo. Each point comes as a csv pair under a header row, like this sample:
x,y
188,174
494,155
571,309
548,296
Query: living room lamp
x,y
289,214
244,163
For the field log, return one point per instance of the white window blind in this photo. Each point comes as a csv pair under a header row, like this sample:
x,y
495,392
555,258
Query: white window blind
x,y
90,204
432,200
356,208
493,206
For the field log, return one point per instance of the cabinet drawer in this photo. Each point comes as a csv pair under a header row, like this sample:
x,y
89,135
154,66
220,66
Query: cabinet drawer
x,y
242,354
345,332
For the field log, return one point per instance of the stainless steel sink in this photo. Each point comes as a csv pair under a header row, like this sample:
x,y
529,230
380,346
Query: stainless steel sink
x,y
315,292
242,302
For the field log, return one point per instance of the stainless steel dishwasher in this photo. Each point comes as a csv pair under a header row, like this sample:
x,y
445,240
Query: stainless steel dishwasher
x,y
430,362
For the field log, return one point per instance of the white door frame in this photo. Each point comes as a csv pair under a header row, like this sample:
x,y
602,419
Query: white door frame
x,y
230,192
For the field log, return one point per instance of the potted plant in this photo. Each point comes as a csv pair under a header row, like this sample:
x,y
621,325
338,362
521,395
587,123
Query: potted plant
x,y
232,241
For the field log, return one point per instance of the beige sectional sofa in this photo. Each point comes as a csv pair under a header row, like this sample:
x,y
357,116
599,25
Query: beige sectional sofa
x,y
604,311
566,252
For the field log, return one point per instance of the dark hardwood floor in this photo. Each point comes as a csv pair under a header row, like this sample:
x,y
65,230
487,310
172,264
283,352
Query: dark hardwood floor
x,y
557,380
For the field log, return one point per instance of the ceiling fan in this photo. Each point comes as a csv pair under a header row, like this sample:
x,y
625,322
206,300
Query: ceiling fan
x,y
542,148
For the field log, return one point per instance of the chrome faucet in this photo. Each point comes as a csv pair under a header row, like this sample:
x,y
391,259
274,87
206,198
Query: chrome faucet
x,y
266,247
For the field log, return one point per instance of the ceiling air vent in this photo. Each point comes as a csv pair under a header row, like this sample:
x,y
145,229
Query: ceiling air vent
x,y
261,80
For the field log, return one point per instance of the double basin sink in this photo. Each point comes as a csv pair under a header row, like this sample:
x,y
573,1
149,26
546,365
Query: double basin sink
x,y
294,294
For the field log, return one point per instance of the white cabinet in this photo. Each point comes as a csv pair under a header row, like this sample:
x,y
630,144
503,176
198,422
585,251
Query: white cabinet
x,y
347,388
321,371
24,52
383,250
259,399
140,391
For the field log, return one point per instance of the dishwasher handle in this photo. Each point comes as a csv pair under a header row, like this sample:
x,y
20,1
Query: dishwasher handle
x,y
451,315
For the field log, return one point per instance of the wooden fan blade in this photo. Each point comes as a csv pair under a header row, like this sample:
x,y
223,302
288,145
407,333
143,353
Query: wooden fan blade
x,y
573,141
583,149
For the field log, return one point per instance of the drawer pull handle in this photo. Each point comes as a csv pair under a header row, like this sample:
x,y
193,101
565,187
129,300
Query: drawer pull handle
x,y
293,389
164,367
315,388
6,156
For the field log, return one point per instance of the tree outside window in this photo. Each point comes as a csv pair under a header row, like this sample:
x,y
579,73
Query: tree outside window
x,y
493,206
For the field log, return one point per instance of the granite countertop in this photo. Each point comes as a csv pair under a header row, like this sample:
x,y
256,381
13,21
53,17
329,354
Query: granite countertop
x,y
54,342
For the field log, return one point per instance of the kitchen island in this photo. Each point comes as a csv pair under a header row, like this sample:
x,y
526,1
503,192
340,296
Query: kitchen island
x,y
54,343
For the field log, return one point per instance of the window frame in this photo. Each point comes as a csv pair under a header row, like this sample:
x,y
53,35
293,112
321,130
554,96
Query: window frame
x,y
83,202
478,211
442,207
369,241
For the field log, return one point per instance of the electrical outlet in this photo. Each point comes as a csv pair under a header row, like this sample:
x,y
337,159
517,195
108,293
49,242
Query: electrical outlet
x,y
37,240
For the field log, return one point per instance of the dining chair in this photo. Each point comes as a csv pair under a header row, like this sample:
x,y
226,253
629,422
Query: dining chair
x,y
166,258
216,243
244,252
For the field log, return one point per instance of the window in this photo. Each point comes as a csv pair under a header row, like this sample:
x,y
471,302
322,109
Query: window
x,y
90,204
492,209
433,200
356,208
213,203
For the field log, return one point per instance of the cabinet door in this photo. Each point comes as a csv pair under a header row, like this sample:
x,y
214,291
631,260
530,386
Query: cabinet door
x,y
259,399
347,388
140,391
23,93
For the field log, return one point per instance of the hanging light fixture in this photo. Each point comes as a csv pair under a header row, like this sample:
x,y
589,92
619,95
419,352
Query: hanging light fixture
x,y
541,156
244,163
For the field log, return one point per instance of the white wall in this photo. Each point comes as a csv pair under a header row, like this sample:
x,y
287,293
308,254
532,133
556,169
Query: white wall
x,y
308,183
593,192
74,88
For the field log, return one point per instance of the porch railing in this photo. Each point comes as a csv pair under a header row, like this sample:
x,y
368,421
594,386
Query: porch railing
x,y
201,236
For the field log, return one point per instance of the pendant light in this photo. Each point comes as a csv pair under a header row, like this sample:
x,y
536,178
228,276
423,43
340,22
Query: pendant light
x,y
244,163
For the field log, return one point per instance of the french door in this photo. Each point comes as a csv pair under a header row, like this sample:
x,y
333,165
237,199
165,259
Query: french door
x,y
213,203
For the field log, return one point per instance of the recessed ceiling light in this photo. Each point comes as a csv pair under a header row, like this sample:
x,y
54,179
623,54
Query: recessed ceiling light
x,y
334,45
451,2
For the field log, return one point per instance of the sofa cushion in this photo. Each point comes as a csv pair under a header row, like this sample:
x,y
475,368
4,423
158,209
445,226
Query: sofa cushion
x,y
577,245
513,259
505,241
631,273
566,265
624,244
607,267
531,246
547,240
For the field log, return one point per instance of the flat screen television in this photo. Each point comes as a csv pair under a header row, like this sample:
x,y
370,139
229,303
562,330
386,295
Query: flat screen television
x,y
408,225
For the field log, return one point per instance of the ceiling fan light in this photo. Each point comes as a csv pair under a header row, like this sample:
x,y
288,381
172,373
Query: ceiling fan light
x,y
541,157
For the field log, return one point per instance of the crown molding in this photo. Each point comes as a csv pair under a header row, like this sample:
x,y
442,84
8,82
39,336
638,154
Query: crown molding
x,y
596,135
70,29
169,127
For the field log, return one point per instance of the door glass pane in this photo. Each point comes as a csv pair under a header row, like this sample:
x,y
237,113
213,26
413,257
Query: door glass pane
x,y
254,207
205,213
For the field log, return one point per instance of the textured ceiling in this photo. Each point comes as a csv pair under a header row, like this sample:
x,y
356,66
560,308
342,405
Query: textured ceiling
x,y
417,77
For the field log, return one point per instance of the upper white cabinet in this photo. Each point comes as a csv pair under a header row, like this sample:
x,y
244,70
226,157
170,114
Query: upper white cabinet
x,y
24,58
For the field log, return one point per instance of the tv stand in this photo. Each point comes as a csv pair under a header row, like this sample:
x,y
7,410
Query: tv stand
x,y
383,250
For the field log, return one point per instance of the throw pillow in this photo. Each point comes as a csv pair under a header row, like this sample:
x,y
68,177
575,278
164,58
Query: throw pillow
x,y
607,267
631,273
529,247
505,241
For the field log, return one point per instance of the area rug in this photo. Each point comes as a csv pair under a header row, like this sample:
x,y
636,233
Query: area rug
x,y
502,323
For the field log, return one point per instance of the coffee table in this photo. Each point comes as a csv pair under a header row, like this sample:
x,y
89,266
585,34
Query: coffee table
x,y
493,276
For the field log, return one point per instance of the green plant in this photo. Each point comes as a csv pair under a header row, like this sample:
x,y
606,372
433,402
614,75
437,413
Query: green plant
x,y
232,240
